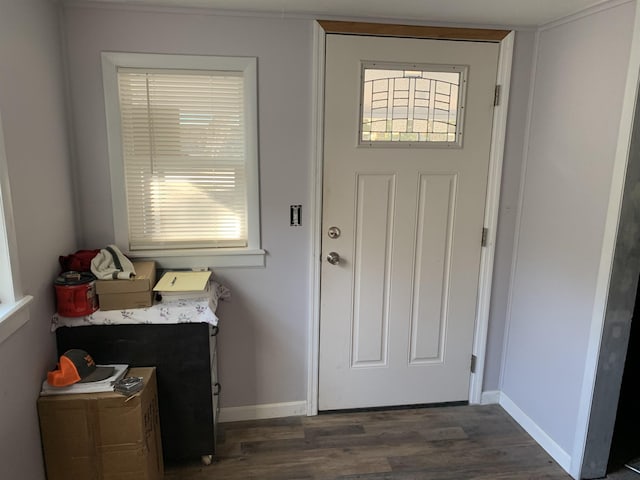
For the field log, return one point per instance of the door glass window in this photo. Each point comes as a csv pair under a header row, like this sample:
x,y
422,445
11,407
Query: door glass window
x,y
411,105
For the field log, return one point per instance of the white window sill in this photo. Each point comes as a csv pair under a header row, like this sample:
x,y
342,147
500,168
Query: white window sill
x,y
227,257
13,316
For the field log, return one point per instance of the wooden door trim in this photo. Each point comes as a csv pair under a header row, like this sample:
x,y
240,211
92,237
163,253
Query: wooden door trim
x,y
414,31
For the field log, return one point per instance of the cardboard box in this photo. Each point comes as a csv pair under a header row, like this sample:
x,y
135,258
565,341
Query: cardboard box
x,y
103,436
134,293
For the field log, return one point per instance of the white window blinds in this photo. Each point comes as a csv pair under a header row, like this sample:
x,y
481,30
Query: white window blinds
x,y
184,147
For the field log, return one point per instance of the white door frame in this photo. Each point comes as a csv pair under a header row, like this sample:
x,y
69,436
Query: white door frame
x,y
490,219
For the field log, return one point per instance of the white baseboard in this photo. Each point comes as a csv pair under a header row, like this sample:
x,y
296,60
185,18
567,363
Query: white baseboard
x,y
539,435
490,397
259,412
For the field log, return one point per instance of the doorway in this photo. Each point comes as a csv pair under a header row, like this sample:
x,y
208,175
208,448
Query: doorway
x,y
488,203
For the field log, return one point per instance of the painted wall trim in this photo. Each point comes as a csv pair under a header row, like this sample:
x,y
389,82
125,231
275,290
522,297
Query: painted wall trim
x,y
491,397
519,208
608,248
413,31
10,278
315,211
538,434
13,317
492,210
592,10
261,412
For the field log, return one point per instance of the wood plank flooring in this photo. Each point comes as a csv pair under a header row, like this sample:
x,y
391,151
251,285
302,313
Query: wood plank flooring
x,y
442,443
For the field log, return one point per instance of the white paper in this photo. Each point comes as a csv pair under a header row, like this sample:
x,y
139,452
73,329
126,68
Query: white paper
x,y
183,282
105,385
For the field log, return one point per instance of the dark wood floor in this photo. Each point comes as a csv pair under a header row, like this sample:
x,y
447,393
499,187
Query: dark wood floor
x,y
464,442
623,474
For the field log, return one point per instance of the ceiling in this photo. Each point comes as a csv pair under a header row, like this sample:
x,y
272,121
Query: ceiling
x,y
480,12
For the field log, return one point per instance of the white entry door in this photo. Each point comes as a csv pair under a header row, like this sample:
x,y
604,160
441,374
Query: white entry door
x,y
407,139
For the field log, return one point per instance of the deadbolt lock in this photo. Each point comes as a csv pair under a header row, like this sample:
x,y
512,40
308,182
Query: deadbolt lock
x,y
334,232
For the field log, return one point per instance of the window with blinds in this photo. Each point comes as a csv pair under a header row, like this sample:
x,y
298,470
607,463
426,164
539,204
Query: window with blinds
x,y
184,154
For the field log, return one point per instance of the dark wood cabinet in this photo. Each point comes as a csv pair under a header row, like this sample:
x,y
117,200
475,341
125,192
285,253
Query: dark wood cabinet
x,y
186,364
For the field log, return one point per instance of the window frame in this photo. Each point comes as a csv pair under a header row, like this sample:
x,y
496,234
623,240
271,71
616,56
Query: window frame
x,y
252,254
12,301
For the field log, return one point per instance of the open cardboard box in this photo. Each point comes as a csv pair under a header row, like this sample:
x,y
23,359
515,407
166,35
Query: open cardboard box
x,y
134,293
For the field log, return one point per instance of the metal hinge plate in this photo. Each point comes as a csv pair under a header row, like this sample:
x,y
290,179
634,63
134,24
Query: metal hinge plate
x,y
496,95
474,359
485,234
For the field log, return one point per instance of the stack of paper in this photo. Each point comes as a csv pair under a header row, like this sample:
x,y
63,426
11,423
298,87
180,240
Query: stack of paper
x,y
105,385
183,284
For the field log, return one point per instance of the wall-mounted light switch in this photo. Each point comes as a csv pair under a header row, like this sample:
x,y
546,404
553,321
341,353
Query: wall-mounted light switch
x,y
295,212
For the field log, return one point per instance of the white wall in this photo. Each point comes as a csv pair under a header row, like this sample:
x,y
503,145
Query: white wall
x,y
579,81
264,326
578,88
32,109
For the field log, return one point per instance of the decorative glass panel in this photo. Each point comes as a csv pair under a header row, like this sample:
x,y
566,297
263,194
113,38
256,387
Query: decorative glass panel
x,y
409,104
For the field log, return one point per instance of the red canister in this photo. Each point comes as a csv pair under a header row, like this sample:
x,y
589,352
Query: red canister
x,y
76,294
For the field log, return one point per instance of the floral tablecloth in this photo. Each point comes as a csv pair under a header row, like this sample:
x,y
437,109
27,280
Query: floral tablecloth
x,y
172,310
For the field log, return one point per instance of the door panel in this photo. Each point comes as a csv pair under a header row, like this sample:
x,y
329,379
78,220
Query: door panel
x,y
398,310
432,264
372,257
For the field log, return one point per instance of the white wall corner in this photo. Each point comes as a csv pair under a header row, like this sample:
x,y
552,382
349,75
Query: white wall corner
x,y
490,397
261,412
539,435
594,9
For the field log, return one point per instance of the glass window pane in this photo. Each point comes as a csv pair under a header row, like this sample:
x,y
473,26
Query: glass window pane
x,y
408,104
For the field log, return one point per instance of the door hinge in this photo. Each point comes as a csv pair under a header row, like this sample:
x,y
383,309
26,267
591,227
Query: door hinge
x,y
496,95
485,234
473,363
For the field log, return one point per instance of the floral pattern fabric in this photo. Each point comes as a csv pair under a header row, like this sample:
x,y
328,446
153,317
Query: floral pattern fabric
x,y
169,310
